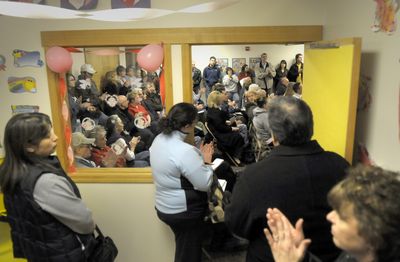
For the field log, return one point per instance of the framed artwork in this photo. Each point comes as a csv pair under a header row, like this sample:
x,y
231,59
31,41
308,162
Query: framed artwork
x,y
222,62
253,61
237,64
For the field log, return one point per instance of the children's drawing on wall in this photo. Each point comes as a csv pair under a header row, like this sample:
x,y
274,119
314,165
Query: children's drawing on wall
x,y
26,58
79,4
22,84
130,3
385,16
2,63
364,94
17,109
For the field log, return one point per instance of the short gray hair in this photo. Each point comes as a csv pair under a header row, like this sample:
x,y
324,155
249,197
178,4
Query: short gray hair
x,y
290,120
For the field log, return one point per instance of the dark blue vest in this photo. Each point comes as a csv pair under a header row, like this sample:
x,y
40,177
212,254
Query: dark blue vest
x,y
37,235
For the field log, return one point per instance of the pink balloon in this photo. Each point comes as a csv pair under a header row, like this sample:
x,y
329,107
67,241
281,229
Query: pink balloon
x,y
150,57
58,59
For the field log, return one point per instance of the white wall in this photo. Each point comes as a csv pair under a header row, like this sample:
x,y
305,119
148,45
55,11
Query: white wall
x,y
378,127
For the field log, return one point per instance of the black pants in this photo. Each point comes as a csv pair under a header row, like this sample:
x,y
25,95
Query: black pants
x,y
189,235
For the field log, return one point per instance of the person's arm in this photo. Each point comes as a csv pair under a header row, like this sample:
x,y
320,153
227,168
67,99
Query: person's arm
x,y
195,170
55,195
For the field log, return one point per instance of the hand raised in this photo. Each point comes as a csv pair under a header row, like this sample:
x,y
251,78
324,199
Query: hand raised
x,y
286,242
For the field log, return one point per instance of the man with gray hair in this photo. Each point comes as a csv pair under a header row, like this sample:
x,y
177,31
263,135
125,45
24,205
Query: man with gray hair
x,y
265,74
295,177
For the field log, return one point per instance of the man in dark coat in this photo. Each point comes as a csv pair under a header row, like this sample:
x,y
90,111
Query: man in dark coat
x,y
295,178
196,76
295,73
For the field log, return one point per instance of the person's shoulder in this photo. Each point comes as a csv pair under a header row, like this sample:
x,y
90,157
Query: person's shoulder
x,y
49,180
336,156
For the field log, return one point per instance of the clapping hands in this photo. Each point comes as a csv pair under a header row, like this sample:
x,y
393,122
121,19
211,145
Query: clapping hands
x,y
287,243
207,150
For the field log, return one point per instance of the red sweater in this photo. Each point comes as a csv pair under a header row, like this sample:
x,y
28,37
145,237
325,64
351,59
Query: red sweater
x,y
98,155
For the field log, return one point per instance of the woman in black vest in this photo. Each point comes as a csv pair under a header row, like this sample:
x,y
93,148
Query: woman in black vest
x,y
48,220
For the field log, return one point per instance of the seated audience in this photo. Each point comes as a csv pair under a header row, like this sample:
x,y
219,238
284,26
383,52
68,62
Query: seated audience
x,y
101,153
281,86
132,78
135,155
295,177
129,122
110,83
152,98
251,97
364,220
298,89
228,136
124,85
260,120
227,105
136,109
85,87
81,147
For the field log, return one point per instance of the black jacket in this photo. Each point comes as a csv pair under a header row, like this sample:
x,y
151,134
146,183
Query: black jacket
x,y
228,140
296,180
37,235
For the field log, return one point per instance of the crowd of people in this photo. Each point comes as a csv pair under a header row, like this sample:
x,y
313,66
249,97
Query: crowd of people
x,y
299,203
121,117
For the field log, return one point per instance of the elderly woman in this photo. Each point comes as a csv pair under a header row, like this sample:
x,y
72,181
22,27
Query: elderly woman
x,y
230,138
116,136
144,115
365,216
48,219
102,154
182,179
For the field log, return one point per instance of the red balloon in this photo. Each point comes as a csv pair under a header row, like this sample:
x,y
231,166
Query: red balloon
x,y
58,59
150,57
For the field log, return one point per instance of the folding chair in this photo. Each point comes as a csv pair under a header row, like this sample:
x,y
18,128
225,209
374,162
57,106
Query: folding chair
x,y
260,147
231,159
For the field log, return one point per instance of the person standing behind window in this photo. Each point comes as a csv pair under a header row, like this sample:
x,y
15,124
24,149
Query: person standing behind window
x,y
265,74
211,75
281,71
230,82
182,180
196,76
296,70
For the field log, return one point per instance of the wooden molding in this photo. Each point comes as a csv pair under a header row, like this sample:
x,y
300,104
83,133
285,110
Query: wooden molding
x,y
167,36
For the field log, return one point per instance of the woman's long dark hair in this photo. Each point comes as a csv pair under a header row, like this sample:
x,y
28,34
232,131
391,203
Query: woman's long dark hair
x,y
22,130
180,115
